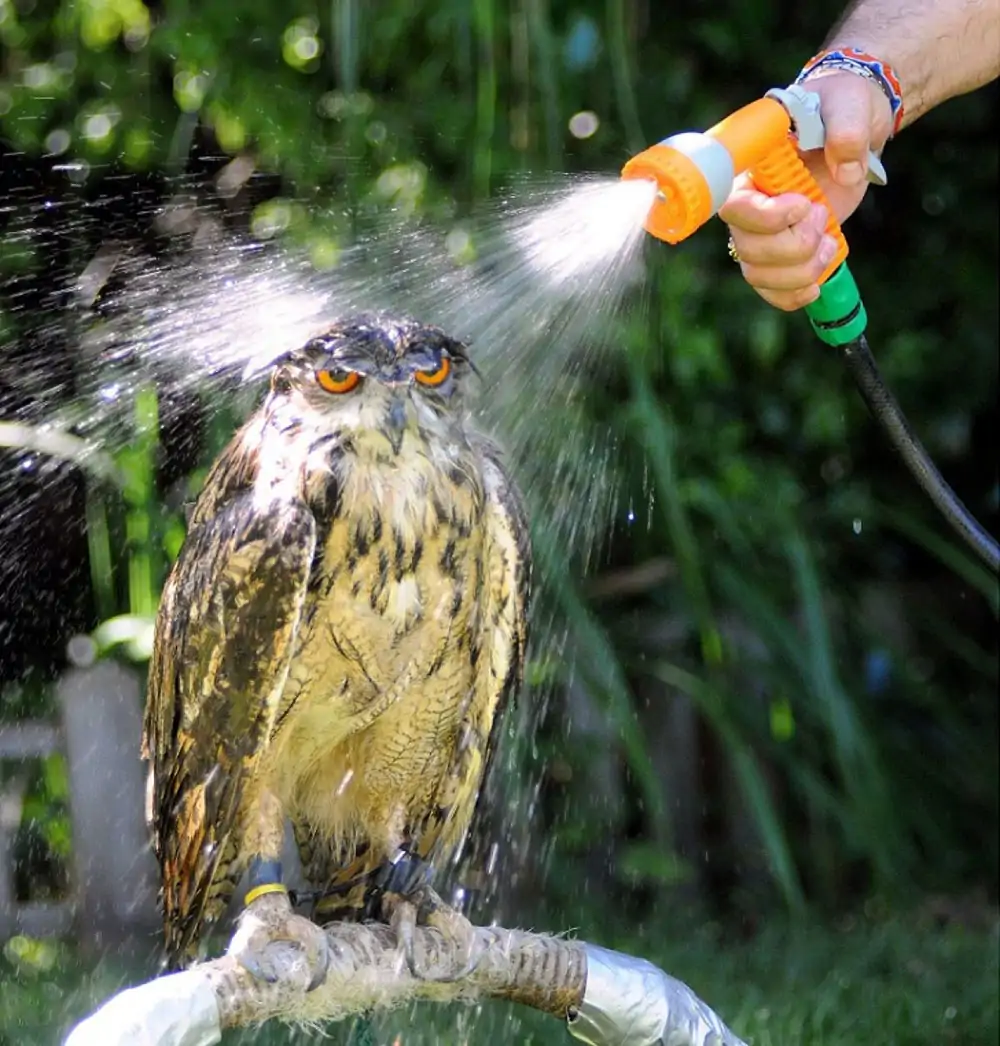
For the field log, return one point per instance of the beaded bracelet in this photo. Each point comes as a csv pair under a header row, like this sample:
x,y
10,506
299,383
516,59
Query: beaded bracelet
x,y
866,65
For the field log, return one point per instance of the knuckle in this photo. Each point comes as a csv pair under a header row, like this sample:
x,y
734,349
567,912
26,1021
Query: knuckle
x,y
847,138
753,212
739,203
734,215
851,134
776,217
741,213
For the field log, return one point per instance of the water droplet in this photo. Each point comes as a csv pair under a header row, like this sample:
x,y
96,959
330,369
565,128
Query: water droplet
x,y
56,143
584,124
97,126
856,526
345,781
81,651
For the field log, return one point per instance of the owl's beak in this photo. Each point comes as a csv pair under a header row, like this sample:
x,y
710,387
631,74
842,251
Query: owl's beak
x,y
396,422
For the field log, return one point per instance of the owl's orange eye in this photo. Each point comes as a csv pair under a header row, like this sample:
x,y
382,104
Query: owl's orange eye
x,y
338,380
438,376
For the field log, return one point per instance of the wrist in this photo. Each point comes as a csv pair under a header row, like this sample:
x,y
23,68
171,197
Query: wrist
x,y
911,68
866,65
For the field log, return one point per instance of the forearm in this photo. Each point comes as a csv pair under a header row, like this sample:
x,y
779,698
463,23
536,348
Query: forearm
x,y
938,48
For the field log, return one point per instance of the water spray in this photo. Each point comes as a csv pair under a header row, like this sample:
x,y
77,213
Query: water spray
x,y
694,174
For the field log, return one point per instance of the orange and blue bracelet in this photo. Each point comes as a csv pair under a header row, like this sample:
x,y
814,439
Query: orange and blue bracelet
x,y
863,64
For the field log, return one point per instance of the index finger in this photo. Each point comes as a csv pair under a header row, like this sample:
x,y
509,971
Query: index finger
x,y
754,211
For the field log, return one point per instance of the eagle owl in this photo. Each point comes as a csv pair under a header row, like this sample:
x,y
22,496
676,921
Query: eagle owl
x,y
335,642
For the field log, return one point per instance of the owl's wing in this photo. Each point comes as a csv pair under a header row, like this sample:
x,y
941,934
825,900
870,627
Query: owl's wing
x,y
225,633
508,600
499,650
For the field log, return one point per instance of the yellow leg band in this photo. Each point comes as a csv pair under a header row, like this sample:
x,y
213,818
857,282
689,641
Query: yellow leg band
x,y
261,891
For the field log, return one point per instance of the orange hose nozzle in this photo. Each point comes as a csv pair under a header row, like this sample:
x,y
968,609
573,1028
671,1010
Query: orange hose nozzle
x,y
684,201
694,172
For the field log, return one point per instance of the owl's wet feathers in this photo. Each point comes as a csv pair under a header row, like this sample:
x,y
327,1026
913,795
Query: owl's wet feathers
x,y
342,628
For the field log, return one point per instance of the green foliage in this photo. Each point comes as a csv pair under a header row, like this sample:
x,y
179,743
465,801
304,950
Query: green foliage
x,y
41,844
131,517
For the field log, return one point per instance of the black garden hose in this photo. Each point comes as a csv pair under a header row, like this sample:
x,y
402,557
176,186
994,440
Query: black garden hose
x,y
885,409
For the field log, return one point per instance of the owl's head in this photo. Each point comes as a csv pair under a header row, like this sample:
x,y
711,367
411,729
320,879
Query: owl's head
x,y
380,375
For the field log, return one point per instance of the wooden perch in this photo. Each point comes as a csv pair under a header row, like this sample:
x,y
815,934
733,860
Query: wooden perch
x,y
605,997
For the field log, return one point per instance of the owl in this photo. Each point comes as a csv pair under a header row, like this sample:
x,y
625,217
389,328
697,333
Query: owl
x,y
335,645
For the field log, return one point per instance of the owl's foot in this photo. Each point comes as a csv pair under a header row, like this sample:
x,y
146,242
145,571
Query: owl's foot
x,y
424,907
266,927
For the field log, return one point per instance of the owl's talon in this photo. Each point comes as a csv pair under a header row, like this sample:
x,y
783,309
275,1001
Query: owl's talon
x,y
251,964
268,926
426,907
404,922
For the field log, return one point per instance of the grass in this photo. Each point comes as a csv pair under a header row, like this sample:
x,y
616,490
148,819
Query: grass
x,y
901,981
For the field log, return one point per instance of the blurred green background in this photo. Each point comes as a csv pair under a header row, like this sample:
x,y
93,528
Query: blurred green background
x,y
782,710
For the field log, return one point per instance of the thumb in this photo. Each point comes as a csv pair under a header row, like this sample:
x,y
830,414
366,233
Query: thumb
x,y
846,109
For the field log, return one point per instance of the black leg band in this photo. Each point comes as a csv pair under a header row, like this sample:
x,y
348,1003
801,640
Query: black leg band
x,y
404,875
263,873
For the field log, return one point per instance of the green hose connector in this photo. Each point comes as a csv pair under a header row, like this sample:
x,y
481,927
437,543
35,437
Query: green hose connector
x,y
838,315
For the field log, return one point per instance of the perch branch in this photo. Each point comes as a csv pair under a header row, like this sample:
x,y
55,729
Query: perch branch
x,y
606,998
367,973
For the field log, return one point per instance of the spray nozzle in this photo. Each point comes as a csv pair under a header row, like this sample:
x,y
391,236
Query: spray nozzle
x,y
694,171
694,174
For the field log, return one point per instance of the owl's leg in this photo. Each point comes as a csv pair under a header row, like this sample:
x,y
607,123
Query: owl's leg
x,y
408,901
267,923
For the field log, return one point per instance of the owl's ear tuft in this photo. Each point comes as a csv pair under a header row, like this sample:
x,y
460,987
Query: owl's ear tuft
x,y
281,380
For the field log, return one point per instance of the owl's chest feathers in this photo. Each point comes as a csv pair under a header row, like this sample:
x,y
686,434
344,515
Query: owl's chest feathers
x,y
399,549
385,659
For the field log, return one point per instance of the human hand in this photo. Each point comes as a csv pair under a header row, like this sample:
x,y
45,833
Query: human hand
x,y
780,240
